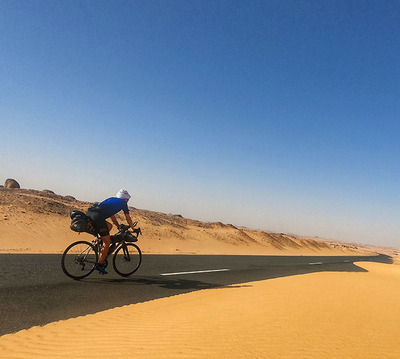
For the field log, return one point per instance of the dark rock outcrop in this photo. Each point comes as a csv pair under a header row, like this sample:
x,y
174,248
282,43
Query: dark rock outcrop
x,y
11,183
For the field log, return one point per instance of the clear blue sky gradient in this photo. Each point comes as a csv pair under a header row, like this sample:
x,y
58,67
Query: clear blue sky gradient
x,y
279,115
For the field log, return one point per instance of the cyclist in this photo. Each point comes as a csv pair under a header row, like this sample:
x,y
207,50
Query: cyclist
x,y
99,212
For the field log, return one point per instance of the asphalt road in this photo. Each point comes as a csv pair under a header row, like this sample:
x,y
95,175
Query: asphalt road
x,y
35,291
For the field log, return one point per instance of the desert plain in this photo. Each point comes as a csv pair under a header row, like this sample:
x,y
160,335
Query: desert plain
x,y
316,315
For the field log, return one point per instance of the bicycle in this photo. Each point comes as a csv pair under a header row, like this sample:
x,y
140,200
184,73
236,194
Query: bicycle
x,y
79,258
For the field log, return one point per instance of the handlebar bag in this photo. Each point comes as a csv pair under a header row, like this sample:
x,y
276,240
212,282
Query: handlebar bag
x,y
129,237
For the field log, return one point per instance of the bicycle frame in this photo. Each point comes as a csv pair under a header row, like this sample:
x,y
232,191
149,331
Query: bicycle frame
x,y
83,260
117,239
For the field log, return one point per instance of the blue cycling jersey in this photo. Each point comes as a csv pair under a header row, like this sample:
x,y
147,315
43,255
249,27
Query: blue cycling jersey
x,y
113,205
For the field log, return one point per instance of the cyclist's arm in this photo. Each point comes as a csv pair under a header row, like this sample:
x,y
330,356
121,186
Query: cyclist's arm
x,y
114,220
129,220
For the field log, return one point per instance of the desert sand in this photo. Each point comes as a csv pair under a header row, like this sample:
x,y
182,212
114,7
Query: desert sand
x,y
318,315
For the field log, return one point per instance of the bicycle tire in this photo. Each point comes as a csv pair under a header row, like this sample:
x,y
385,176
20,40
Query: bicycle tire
x,y
79,259
127,259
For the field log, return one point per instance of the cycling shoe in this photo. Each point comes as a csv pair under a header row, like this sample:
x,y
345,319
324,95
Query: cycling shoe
x,y
101,269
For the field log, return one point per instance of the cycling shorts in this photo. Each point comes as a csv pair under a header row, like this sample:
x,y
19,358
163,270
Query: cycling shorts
x,y
99,222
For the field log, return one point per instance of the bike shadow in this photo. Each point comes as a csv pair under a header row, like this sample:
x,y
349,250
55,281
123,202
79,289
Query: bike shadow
x,y
175,284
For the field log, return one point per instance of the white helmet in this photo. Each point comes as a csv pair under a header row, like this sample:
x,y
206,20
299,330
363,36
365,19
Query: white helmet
x,y
123,194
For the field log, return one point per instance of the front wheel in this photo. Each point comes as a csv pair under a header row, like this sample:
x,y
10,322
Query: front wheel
x,y
127,259
79,259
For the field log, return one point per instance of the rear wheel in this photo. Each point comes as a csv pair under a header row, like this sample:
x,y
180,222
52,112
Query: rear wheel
x,y
79,259
127,259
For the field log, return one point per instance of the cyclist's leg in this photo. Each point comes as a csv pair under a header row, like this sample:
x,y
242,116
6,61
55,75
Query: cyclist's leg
x,y
103,227
105,236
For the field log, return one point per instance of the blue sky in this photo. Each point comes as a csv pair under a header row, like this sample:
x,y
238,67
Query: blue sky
x,y
279,115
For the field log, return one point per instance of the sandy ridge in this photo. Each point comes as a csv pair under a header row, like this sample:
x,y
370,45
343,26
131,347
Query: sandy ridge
x,y
38,222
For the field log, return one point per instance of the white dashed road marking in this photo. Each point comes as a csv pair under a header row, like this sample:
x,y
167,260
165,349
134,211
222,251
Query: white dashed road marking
x,y
198,271
315,263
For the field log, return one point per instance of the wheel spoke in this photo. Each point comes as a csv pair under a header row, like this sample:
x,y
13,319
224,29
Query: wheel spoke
x,y
127,259
79,259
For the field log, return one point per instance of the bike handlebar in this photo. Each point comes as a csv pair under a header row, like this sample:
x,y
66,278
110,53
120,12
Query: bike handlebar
x,y
124,228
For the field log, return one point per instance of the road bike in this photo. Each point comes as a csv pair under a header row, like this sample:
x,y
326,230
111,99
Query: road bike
x,y
79,259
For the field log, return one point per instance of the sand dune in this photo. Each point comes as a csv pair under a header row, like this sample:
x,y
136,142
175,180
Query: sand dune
x,y
319,315
38,222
